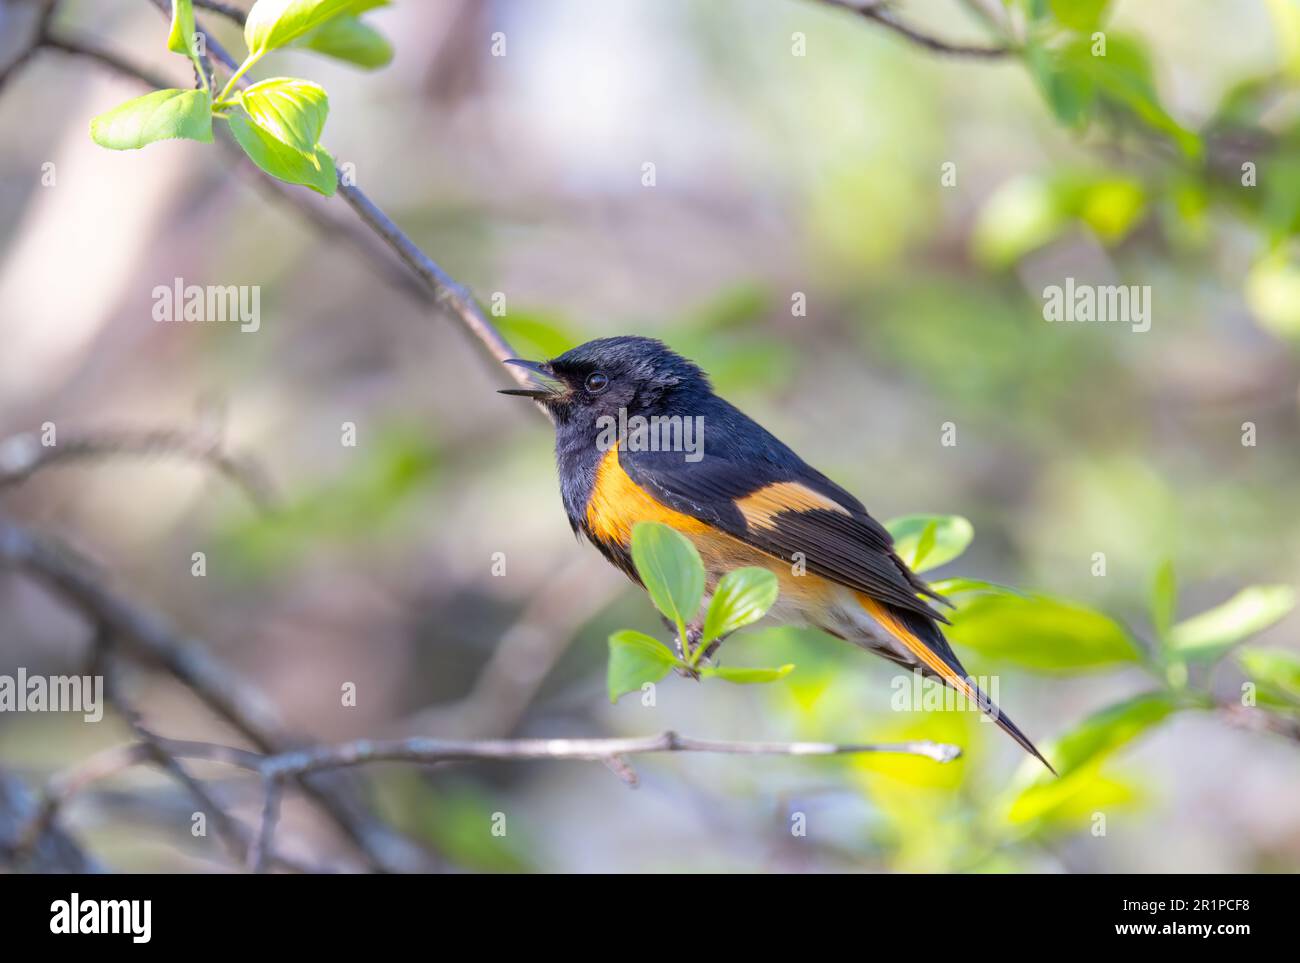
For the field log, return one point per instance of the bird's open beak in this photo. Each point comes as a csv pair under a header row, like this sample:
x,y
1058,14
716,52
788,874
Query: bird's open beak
x,y
538,368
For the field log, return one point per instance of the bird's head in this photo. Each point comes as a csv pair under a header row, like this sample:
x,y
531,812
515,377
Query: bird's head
x,y
639,376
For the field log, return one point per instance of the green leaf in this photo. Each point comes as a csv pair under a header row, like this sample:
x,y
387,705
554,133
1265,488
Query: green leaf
x,y
161,115
1072,801
1164,599
1106,731
351,39
1078,84
742,676
670,569
1251,610
1041,633
742,598
281,160
274,23
181,37
1079,753
290,110
1082,15
972,586
635,659
951,535
1274,670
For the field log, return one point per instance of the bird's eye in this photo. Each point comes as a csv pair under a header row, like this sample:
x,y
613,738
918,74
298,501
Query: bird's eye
x,y
596,383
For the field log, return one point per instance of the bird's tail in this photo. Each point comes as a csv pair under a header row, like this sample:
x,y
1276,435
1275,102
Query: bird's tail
x,y
923,639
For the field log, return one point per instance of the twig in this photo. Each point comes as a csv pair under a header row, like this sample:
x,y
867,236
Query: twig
x,y
225,9
425,751
44,15
52,850
63,787
259,853
1258,720
879,12
21,456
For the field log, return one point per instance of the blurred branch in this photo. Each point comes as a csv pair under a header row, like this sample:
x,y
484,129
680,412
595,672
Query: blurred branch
x,y
51,850
879,12
149,637
39,36
1258,720
362,752
22,456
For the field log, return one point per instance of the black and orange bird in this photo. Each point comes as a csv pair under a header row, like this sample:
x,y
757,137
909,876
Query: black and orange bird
x,y
742,497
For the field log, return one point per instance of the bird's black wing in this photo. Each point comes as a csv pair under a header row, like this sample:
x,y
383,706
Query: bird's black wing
x,y
752,486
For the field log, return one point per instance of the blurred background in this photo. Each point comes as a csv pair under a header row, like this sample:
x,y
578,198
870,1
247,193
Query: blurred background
x,y
775,174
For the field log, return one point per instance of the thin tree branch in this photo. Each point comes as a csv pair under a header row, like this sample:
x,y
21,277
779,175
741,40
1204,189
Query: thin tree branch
x,y
879,12
69,43
425,751
259,855
21,456
52,850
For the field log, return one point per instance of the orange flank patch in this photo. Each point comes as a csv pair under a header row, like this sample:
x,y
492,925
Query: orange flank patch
x,y
769,501
617,503
918,648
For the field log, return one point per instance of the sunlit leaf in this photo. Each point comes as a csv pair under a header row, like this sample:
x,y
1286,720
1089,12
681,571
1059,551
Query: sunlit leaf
x,y
951,535
670,568
160,115
274,23
350,39
290,110
742,597
182,37
1040,633
1251,610
282,160
742,676
635,659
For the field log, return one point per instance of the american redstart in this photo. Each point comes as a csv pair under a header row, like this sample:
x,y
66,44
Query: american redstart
x,y
739,494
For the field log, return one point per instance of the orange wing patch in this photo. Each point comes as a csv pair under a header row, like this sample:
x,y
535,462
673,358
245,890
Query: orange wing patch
x,y
761,507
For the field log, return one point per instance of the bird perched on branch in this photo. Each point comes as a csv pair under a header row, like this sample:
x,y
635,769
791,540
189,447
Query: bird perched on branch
x,y
739,494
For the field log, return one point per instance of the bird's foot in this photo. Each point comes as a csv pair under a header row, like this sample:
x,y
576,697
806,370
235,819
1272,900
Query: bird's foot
x,y
693,635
